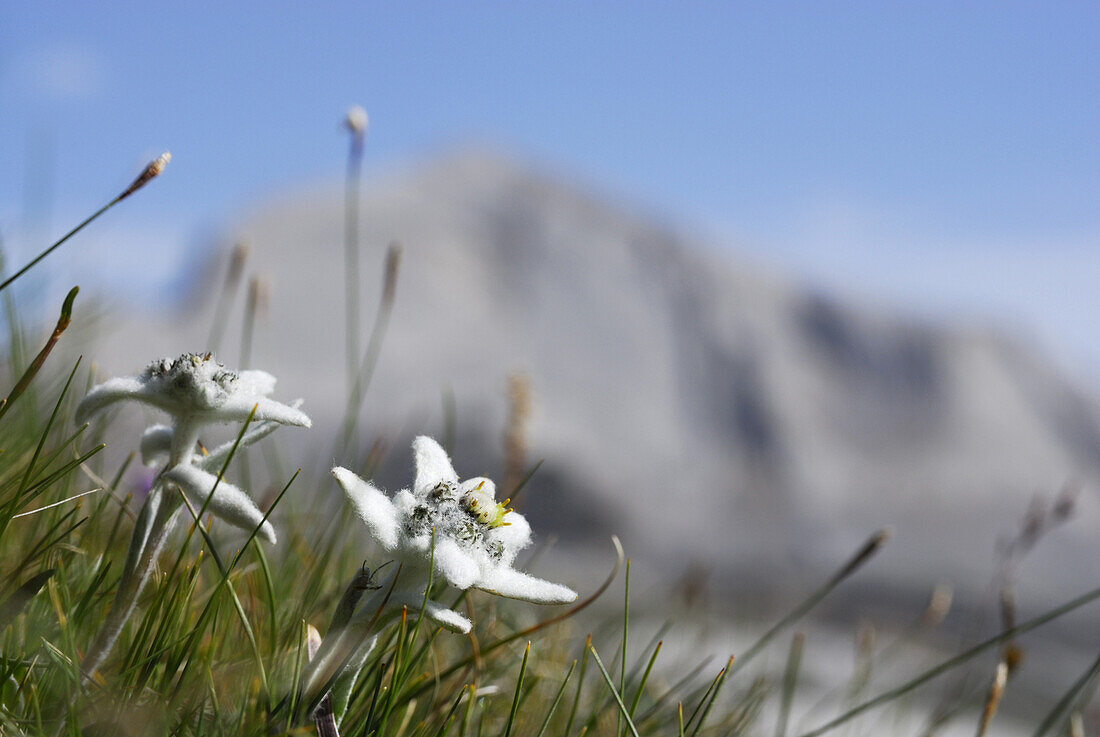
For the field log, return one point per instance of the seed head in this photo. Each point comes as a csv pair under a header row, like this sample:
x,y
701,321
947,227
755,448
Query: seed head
x,y
356,121
393,265
939,605
236,263
151,171
259,294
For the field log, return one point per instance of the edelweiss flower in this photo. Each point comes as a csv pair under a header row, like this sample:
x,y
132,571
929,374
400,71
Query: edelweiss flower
x,y
476,538
458,525
194,391
197,391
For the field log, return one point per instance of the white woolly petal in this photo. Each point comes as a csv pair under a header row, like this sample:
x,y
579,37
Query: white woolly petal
x,y
432,465
115,390
254,382
373,507
228,503
156,443
257,431
444,617
404,502
514,535
237,407
447,618
457,566
515,584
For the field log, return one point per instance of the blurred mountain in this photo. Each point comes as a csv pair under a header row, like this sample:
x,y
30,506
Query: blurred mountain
x,y
710,412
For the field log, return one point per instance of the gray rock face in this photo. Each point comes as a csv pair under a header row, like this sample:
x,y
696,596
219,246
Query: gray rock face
x,y
704,410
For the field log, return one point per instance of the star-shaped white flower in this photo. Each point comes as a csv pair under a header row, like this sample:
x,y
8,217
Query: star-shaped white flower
x,y
476,539
196,390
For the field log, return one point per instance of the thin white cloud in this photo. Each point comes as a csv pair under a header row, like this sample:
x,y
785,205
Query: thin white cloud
x,y
61,72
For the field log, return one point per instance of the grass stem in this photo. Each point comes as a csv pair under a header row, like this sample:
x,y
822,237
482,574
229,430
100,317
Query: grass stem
x,y
864,554
519,690
36,364
152,170
351,256
614,692
957,660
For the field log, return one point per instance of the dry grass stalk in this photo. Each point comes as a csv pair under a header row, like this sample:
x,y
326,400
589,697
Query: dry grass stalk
x,y
515,431
939,605
993,699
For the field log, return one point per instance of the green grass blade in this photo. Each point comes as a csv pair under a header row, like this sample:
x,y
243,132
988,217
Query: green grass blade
x,y
41,443
674,688
36,365
1066,704
514,494
557,699
708,697
377,691
611,685
864,554
270,598
645,678
580,685
519,689
790,681
446,722
626,630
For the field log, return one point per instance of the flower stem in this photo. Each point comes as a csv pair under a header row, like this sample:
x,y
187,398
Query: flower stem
x,y
144,549
351,257
185,435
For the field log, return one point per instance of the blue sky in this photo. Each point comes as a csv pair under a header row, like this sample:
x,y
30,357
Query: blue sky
x,y
942,157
